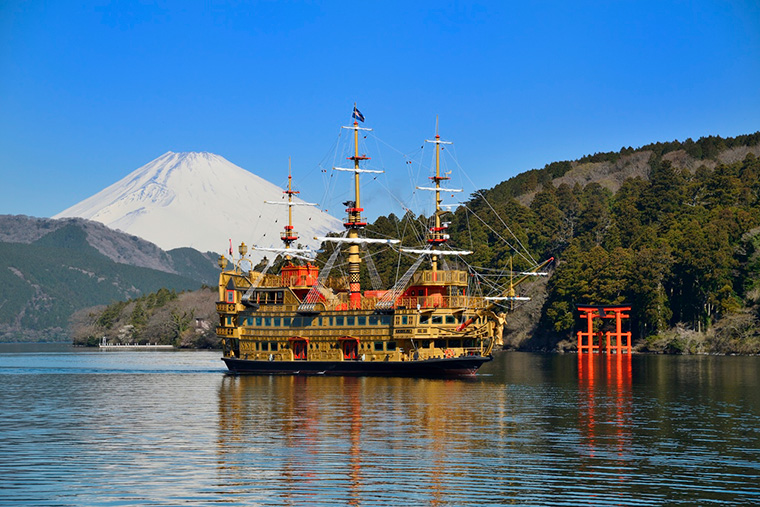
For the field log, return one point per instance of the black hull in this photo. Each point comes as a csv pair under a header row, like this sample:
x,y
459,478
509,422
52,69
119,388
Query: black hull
x,y
450,367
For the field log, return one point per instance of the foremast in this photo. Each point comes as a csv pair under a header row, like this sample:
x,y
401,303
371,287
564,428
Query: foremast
x,y
289,236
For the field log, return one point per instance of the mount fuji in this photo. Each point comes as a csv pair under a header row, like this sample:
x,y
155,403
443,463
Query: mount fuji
x,y
200,200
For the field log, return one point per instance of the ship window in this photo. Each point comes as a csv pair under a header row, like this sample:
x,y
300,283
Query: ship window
x,y
338,321
249,321
455,343
319,320
440,344
424,319
450,319
264,346
279,297
268,321
405,320
469,342
373,320
230,296
256,346
385,320
437,319
228,321
296,321
362,321
378,346
286,321
425,344
391,346
276,321
258,321
350,321
273,346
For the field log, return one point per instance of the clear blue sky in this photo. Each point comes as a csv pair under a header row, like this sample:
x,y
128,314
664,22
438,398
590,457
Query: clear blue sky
x,y
91,92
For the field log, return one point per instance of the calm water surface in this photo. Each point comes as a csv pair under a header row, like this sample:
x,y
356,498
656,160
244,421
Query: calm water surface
x,y
82,427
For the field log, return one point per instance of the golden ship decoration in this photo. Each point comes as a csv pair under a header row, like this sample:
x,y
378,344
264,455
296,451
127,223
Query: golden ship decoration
x,y
304,321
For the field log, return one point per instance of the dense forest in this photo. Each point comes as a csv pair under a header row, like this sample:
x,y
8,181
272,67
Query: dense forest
x,y
681,246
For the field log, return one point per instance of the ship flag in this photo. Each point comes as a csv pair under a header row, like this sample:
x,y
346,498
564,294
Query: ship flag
x,y
358,115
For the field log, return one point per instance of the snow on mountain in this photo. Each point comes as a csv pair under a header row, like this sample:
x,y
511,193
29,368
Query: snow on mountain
x,y
200,200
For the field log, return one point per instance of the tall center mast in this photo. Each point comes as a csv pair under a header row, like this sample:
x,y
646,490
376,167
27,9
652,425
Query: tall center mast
x,y
355,222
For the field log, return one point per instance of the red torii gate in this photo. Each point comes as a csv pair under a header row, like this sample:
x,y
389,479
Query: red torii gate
x,y
622,340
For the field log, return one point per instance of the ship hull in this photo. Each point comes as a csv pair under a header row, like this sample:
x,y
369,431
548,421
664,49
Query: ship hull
x,y
446,367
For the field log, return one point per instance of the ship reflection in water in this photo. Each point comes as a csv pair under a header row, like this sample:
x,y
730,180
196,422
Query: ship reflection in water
x,y
531,429
346,439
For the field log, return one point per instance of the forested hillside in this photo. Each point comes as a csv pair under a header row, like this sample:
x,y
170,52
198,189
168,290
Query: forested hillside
x,y
43,282
185,319
680,241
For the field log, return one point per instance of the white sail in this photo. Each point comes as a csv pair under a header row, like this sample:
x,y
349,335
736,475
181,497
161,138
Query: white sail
x,y
288,250
440,189
351,170
436,252
291,203
359,241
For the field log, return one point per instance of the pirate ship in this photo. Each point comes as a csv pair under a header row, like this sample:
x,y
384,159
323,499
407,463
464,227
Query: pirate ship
x,y
304,321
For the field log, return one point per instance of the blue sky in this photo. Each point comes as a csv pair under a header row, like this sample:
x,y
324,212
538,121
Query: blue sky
x,y
90,91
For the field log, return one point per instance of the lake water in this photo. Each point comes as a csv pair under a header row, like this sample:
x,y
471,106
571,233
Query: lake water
x,y
84,427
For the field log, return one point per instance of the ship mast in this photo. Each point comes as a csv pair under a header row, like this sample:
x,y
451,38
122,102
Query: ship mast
x,y
289,236
437,232
355,222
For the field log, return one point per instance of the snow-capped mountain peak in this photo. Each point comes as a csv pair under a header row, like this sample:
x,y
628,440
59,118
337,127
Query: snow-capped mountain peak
x,y
200,200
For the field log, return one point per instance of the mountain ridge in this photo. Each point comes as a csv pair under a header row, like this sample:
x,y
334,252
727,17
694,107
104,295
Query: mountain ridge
x,y
118,246
46,280
198,200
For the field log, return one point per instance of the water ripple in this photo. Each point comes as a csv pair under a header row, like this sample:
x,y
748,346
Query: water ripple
x,y
87,428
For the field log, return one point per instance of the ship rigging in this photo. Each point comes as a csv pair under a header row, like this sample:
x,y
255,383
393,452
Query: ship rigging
x,y
305,320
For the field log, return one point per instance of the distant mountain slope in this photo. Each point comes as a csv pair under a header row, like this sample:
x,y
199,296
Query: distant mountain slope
x,y
611,169
117,246
199,200
43,282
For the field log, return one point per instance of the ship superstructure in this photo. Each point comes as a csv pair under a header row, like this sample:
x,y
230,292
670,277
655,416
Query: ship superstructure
x,y
303,321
